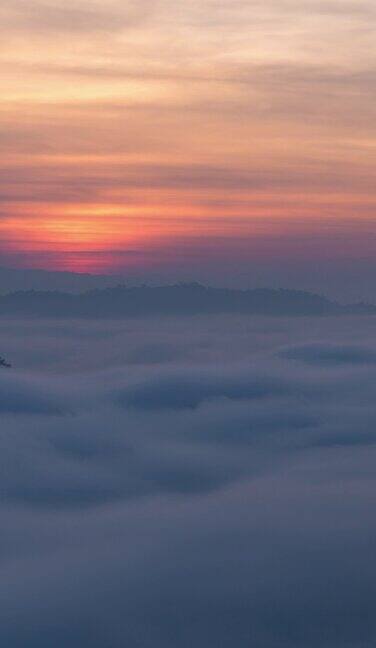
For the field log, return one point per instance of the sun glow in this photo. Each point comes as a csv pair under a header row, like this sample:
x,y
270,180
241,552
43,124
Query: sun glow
x,y
126,129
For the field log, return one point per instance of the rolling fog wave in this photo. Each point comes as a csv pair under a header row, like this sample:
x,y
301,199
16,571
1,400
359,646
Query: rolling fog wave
x,y
202,482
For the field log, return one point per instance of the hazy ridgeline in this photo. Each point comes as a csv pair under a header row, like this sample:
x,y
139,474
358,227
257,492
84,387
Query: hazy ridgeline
x,y
199,481
172,300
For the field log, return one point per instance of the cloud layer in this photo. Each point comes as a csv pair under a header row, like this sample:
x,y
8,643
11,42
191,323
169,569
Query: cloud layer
x,y
200,481
178,139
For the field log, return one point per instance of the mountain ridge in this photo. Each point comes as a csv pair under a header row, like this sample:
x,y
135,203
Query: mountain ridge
x,y
176,299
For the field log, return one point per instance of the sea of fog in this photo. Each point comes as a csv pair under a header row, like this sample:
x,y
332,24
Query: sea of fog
x,y
188,483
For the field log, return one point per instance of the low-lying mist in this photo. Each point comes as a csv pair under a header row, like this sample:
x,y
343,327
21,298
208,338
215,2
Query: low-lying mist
x,y
202,482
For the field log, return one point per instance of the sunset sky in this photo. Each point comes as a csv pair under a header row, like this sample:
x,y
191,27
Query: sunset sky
x,y
197,139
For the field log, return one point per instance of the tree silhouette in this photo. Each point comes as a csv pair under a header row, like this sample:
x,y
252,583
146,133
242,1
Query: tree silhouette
x,y
4,363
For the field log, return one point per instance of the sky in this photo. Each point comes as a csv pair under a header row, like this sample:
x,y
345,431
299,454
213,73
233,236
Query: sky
x,y
226,140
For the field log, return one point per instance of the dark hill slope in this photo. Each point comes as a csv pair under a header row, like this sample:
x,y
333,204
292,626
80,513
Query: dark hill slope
x,y
181,299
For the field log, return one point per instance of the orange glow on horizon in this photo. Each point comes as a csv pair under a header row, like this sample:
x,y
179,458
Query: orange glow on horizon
x,y
172,124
